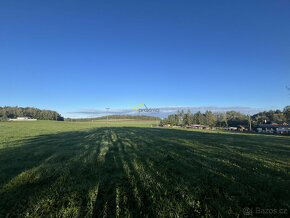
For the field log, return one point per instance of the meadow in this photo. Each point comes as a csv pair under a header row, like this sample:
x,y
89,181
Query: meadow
x,y
133,169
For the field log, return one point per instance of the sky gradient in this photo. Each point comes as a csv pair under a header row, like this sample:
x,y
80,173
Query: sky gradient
x,y
88,55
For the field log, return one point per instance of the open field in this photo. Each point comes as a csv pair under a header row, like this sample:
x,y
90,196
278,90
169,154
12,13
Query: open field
x,y
129,169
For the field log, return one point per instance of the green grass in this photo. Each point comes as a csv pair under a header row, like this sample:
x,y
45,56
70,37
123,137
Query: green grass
x,y
129,169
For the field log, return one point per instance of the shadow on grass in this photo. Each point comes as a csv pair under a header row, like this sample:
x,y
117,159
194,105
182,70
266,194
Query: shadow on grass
x,y
137,172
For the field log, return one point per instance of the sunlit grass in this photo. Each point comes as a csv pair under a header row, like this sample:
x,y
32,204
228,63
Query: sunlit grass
x,y
128,169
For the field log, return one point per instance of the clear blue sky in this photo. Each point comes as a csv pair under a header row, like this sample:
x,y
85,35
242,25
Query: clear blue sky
x,y
72,55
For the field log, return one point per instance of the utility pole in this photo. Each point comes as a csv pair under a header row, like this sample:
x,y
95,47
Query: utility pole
x,y
107,115
250,122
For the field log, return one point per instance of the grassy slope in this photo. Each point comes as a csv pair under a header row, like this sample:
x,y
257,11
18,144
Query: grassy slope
x,y
84,169
12,133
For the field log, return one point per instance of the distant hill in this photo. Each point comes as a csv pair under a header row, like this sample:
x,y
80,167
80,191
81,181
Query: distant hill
x,y
31,112
114,117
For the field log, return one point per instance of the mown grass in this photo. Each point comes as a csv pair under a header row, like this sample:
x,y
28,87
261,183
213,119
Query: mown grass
x,y
61,169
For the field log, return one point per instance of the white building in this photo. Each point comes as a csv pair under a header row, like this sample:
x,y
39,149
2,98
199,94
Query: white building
x,y
23,119
270,128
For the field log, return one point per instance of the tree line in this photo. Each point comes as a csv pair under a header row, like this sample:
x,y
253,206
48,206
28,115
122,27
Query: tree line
x,y
226,119
34,113
114,117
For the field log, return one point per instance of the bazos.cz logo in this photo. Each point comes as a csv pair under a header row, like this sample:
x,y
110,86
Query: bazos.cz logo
x,y
139,109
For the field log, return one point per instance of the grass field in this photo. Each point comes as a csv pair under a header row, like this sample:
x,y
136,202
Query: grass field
x,y
129,169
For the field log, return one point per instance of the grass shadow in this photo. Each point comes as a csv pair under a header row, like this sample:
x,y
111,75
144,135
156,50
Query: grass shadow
x,y
139,172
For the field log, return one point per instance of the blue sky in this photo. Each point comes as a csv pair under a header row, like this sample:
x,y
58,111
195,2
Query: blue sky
x,y
79,55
